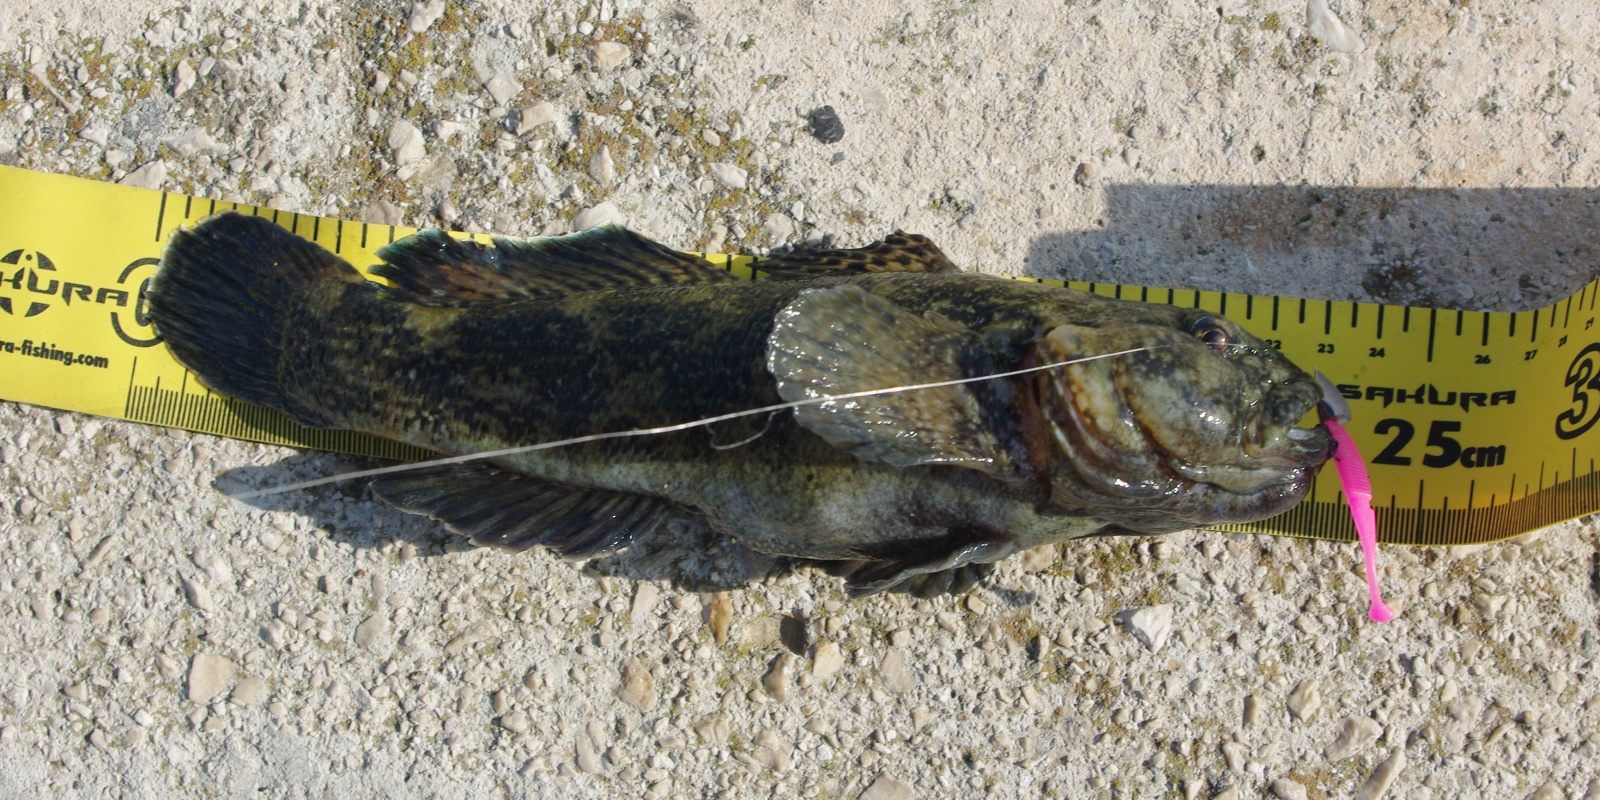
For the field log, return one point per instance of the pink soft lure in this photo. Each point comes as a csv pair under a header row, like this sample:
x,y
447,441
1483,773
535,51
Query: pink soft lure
x,y
1357,492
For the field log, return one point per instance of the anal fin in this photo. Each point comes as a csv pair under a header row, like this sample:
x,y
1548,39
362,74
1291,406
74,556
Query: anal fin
x,y
500,508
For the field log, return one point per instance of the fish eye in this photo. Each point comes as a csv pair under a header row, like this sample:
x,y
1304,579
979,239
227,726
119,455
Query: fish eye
x,y
1207,330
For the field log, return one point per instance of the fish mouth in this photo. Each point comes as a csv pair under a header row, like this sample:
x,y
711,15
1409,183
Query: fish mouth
x,y
1126,454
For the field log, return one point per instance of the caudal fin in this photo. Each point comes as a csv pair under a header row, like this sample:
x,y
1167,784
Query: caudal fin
x,y
220,300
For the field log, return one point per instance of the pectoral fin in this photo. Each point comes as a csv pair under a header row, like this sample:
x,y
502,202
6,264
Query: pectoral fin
x,y
507,509
939,570
845,340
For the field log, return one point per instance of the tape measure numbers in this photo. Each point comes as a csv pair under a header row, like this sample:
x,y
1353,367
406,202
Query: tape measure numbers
x,y
1479,425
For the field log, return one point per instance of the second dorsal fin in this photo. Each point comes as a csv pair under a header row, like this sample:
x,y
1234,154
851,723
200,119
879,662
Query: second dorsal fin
x,y
898,252
433,268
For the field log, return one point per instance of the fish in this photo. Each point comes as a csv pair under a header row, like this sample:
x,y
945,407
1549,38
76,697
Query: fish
x,y
474,347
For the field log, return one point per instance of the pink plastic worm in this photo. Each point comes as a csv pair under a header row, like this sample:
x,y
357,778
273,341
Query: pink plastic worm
x,y
1358,494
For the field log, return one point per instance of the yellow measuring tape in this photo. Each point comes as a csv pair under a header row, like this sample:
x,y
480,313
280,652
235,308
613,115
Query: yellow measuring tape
x,y
1478,425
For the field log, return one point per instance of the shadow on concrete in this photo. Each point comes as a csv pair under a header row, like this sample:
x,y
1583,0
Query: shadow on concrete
x,y
1482,249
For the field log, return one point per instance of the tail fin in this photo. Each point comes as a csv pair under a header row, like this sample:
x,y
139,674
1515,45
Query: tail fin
x,y
220,301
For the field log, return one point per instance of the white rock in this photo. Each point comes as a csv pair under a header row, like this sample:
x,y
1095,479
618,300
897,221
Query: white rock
x,y
644,603
1329,29
637,688
610,55
776,681
382,212
779,227
542,113
447,129
729,175
1355,734
1151,625
516,722
198,595
405,142
1305,699
483,631
149,176
209,675
826,661
896,678
886,787
251,692
595,217
95,133
183,78
602,168
503,88
191,141
1285,789
588,760
424,14
373,634
1377,783
713,729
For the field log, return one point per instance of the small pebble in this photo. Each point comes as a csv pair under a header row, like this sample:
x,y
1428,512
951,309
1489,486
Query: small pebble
x,y
637,688
373,634
502,88
729,175
887,787
719,614
516,722
209,675
405,143
424,14
603,170
713,729
893,673
826,661
776,681
1377,784
587,759
250,693
533,116
610,55
1305,700
1285,789
198,595
1151,625
183,78
602,214
1355,733
824,125
149,176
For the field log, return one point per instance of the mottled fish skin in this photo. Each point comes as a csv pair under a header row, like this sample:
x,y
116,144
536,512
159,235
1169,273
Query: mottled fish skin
x,y
1029,464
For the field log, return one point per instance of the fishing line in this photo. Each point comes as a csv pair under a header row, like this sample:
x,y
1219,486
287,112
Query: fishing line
x,y
682,426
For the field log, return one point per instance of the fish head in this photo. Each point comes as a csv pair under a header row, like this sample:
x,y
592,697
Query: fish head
x,y
1194,421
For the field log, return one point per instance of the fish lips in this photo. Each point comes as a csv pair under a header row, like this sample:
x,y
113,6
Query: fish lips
x,y
1177,430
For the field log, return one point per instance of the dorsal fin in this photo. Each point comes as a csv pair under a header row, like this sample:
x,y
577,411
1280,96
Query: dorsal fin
x,y
432,268
899,252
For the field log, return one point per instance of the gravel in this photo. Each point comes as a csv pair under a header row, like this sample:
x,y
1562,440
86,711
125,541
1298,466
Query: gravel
x,y
165,640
